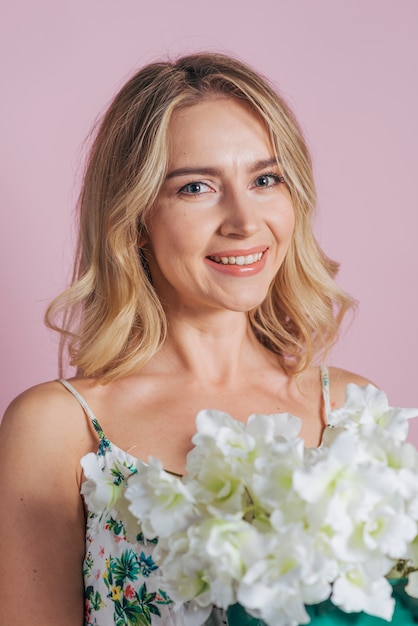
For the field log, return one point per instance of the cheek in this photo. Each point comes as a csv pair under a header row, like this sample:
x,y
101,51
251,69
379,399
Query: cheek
x,y
284,224
170,245
183,234
164,232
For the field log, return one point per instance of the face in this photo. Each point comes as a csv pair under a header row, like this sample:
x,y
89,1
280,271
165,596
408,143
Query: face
x,y
224,218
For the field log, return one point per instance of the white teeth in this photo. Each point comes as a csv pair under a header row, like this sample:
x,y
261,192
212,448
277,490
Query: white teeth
x,y
238,260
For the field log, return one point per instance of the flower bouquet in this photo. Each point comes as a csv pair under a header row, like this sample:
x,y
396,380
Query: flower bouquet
x,y
279,534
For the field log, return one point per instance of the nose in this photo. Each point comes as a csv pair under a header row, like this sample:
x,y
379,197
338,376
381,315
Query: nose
x,y
240,216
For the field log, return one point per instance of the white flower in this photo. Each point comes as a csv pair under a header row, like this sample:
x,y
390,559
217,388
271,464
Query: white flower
x,y
369,406
233,545
265,429
261,520
320,480
222,442
354,497
160,501
218,430
278,585
271,482
389,530
204,563
182,558
355,591
100,491
104,489
219,486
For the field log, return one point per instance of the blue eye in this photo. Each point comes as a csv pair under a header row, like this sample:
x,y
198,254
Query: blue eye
x,y
194,189
268,180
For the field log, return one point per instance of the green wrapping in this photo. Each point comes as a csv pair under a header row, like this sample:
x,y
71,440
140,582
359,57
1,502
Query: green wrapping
x,y
326,614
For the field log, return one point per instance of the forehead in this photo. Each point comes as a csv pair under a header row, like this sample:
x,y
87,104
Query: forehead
x,y
217,125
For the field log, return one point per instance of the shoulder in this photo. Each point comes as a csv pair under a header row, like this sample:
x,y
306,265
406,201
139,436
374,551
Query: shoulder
x,y
45,422
41,406
338,381
41,397
43,435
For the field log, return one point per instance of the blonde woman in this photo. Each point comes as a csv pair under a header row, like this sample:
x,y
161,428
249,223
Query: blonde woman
x,y
197,284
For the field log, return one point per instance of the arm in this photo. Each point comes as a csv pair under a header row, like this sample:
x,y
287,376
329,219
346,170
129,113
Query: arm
x,y
42,519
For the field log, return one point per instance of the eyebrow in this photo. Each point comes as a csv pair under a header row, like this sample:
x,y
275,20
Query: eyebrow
x,y
215,171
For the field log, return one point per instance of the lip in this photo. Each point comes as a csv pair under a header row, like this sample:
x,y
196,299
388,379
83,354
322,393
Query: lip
x,y
237,252
239,271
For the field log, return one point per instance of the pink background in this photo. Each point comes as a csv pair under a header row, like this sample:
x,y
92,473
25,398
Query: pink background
x,y
348,68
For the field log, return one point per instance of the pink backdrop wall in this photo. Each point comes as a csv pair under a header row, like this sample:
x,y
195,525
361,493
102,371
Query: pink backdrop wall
x,y
348,68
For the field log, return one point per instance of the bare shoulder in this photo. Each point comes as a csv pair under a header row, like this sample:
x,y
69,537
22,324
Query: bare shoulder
x,y
39,404
338,381
42,438
42,399
43,420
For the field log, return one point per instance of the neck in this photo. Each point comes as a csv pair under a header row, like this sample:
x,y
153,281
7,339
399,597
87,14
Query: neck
x,y
214,349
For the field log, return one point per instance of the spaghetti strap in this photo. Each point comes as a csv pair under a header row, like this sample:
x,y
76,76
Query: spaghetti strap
x,y
325,391
99,430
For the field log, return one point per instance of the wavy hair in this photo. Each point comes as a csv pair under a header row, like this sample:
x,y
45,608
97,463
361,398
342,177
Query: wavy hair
x,y
110,318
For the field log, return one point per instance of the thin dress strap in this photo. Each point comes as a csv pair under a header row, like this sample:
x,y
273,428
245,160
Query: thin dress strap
x,y
325,391
104,442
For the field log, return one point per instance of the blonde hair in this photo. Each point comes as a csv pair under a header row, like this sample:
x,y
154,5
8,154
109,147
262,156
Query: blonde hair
x,y
111,319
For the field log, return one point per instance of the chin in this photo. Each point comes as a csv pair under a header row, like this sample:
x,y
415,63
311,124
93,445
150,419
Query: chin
x,y
245,306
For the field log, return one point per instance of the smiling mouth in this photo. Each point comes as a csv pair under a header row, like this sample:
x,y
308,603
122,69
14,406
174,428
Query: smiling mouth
x,y
249,259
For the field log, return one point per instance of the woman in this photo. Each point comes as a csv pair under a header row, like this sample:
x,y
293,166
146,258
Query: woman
x,y
198,284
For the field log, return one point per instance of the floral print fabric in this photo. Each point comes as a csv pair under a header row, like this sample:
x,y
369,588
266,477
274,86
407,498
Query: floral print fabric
x,y
122,583
120,578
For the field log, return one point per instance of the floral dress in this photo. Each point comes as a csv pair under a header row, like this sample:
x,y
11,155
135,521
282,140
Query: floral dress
x,y
122,583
